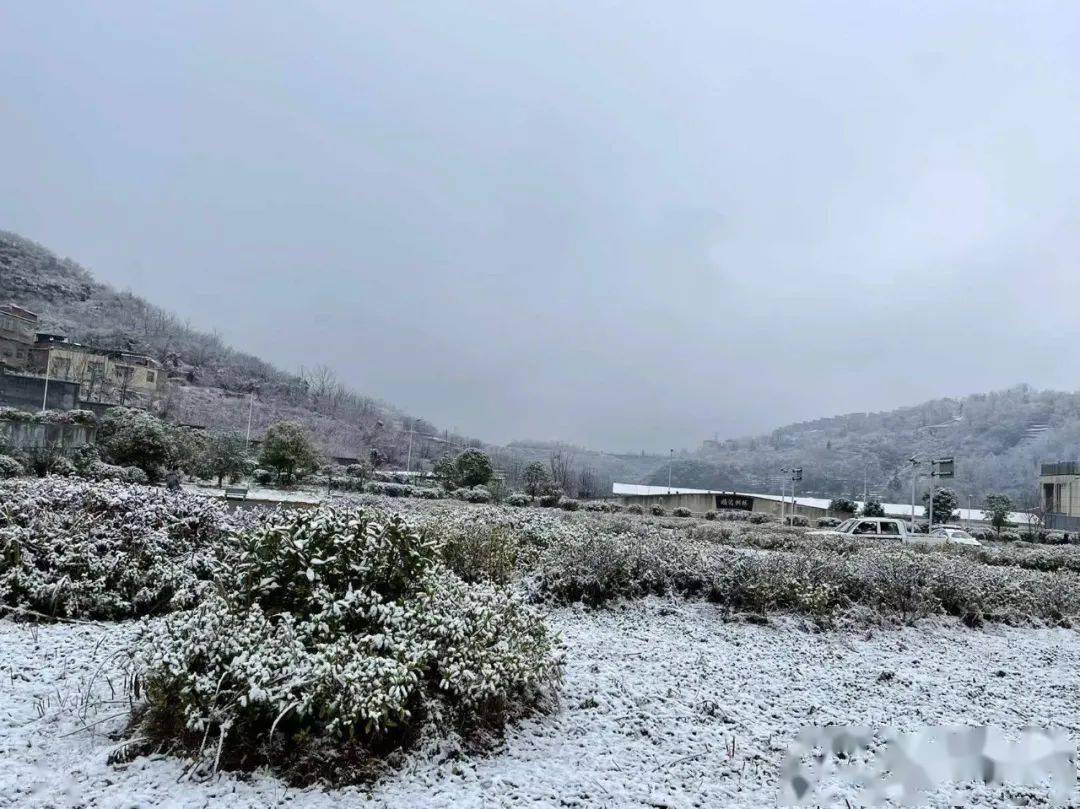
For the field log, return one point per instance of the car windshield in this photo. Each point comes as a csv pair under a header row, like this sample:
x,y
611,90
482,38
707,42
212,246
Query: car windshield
x,y
961,534
846,525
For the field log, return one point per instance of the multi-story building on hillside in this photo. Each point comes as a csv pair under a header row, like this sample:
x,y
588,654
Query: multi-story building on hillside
x,y
17,328
103,375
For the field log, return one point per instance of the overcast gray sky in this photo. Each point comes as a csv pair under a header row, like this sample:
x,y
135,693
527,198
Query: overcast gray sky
x,y
630,225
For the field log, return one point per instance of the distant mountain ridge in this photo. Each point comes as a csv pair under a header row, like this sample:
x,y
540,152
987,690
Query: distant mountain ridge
x,y
999,439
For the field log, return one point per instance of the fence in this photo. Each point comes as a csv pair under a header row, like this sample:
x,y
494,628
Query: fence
x,y
1062,522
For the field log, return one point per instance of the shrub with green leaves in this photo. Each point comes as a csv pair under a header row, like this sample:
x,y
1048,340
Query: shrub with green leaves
x,y
550,498
10,468
477,495
131,437
518,500
682,511
336,636
73,548
288,450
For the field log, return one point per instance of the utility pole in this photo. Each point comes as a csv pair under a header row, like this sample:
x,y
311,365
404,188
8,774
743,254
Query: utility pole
x,y
45,397
914,476
408,458
251,412
796,476
671,462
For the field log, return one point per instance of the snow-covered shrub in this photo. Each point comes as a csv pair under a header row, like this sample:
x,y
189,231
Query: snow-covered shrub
x,y
10,468
827,522
797,521
758,518
710,515
334,637
657,511
818,576
518,500
476,495
634,509
1009,536
478,551
105,550
262,476
132,474
101,471
64,467
358,470
570,504
682,511
550,498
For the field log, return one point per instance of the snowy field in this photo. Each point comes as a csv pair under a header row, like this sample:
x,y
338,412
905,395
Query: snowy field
x,y
665,705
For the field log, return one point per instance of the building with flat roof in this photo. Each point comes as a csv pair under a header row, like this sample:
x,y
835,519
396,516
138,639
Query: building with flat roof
x,y
1059,490
103,374
700,501
17,327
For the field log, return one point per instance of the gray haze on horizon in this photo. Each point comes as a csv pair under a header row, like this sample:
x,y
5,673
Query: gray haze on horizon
x,y
628,225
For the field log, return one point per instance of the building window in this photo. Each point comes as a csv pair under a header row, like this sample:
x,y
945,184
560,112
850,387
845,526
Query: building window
x,y
151,376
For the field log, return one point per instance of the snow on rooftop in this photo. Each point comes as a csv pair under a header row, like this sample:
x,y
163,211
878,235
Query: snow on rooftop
x,y
891,509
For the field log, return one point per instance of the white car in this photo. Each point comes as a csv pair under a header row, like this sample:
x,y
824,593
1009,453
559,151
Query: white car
x,y
868,528
952,536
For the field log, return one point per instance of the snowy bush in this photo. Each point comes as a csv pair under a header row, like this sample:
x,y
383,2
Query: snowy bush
x,y
797,521
827,522
682,511
569,504
634,509
518,500
104,550
657,511
337,636
480,551
550,498
710,515
263,476
358,470
101,471
10,468
477,495
787,571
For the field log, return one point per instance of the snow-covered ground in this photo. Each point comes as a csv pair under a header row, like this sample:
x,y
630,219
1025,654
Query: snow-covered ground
x,y
657,696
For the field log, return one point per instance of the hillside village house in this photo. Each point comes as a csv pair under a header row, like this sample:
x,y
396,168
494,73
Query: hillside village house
x,y
17,329
101,374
